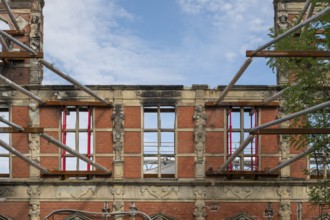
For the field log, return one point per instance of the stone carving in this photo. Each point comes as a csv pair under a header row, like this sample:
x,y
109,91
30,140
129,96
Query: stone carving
x,y
200,192
34,210
200,211
159,192
160,216
269,211
284,192
117,206
6,191
33,114
241,192
77,216
299,211
21,22
284,146
118,191
34,191
282,20
285,210
35,32
200,132
34,144
118,130
76,192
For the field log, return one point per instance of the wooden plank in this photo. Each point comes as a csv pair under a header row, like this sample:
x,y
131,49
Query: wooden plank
x,y
278,53
26,130
74,103
277,131
242,104
20,55
15,32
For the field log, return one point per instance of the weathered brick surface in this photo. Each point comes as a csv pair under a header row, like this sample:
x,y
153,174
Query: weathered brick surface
x,y
103,142
50,117
132,117
132,167
267,163
214,142
46,146
132,142
50,163
186,142
186,167
298,168
269,144
185,117
215,118
15,210
20,169
213,163
105,161
103,117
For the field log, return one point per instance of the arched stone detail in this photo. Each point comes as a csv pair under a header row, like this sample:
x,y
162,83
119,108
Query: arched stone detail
x,y
160,216
77,216
242,216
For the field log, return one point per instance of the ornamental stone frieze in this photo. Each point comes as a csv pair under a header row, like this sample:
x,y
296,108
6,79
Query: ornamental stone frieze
x,y
242,192
160,192
74,192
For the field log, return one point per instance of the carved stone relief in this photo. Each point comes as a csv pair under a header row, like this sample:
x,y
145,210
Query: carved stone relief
x,y
6,191
35,32
200,192
200,210
200,132
241,192
242,216
285,210
34,210
76,192
159,192
118,130
284,192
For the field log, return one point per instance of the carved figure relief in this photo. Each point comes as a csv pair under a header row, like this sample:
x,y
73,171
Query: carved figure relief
x,y
35,32
284,146
241,192
200,132
6,191
200,192
118,130
200,211
118,206
284,192
34,191
159,192
285,210
34,210
34,144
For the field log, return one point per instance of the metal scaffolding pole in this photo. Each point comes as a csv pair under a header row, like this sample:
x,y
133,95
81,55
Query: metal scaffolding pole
x,y
4,44
73,152
21,89
23,157
275,96
277,121
71,80
249,60
303,12
12,18
25,47
293,159
16,126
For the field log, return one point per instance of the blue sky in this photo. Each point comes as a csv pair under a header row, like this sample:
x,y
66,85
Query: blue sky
x,y
181,42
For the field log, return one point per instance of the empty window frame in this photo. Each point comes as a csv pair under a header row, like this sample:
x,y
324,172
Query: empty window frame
x,y
77,133
239,121
159,141
4,154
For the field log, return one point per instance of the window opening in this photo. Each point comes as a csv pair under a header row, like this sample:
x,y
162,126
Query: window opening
x,y
159,141
239,121
77,133
4,154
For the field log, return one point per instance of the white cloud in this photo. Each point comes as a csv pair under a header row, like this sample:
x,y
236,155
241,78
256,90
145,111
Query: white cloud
x,y
89,42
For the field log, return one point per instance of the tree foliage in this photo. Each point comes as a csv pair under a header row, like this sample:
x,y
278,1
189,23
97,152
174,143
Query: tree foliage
x,y
308,85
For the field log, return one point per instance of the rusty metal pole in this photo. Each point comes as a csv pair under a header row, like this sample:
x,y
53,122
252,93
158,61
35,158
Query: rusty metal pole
x,y
71,80
271,123
21,89
22,156
25,47
11,15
